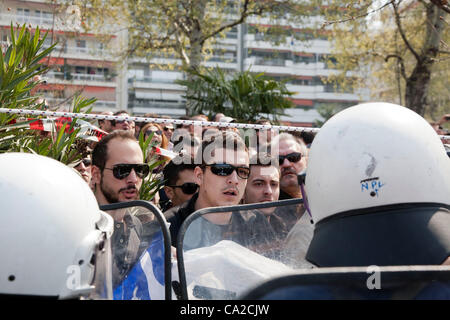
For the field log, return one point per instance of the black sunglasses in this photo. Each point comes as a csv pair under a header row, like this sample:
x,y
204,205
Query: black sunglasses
x,y
292,157
149,132
123,170
87,162
187,187
114,122
225,169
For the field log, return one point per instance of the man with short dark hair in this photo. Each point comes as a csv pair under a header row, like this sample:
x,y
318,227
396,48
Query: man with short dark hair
x,y
222,177
104,124
264,186
127,125
83,167
117,168
117,171
179,184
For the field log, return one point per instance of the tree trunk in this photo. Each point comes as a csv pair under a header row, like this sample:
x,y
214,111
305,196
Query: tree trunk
x,y
417,86
418,82
195,61
195,51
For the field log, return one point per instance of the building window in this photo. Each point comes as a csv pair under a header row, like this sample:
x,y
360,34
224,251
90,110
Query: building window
x,y
23,12
81,43
79,69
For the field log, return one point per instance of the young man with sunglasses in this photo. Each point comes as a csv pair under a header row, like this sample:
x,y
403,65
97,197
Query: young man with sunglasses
x,y
127,125
84,169
179,184
117,171
222,178
104,124
292,161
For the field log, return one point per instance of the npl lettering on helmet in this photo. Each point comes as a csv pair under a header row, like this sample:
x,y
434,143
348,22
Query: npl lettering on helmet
x,y
371,185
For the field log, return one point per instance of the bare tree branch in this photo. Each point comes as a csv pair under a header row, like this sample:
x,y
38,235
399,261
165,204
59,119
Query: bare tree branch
x,y
244,14
402,33
326,23
400,61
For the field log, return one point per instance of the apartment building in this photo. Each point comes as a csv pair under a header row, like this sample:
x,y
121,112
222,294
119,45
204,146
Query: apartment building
x,y
80,63
301,60
153,89
302,63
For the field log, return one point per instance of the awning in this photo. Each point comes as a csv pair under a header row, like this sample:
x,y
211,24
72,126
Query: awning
x,y
303,102
52,61
158,96
90,63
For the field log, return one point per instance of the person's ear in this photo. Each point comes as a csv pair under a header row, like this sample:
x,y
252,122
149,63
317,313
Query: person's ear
x,y
198,175
169,192
96,174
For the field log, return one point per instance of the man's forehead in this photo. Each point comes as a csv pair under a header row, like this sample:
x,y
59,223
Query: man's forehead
x,y
124,151
287,146
238,157
264,173
185,174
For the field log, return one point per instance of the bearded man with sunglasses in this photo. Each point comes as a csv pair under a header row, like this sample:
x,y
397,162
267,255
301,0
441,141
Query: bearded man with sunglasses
x,y
292,161
117,171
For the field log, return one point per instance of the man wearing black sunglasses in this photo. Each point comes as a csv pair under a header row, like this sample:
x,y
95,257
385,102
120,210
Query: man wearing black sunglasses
x,y
292,161
222,177
118,168
179,184
84,169
127,125
117,173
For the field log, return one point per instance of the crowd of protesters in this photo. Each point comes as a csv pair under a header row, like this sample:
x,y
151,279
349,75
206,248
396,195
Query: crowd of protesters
x,y
216,167
213,166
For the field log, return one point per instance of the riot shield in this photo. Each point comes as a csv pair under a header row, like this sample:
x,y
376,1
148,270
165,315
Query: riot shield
x,y
357,283
224,251
141,251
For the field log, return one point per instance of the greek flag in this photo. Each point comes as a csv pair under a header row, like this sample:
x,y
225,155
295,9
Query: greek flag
x,y
145,281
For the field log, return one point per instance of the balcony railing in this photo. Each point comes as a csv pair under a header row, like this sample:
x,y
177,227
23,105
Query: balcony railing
x,y
8,17
78,76
151,80
270,62
68,101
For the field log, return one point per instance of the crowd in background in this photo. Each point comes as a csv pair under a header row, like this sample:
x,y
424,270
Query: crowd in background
x,y
231,169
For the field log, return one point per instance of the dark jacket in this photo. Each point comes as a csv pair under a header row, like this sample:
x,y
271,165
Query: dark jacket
x,y
244,228
176,216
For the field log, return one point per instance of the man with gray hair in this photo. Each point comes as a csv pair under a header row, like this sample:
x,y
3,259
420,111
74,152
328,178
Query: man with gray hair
x,y
292,161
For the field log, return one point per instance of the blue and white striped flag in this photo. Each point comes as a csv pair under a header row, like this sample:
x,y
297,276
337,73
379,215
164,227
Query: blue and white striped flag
x,y
145,281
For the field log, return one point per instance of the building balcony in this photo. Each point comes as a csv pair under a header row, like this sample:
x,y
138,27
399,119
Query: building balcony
x,y
81,53
171,108
64,102
42,22
287,67
154,83
255,41
79,79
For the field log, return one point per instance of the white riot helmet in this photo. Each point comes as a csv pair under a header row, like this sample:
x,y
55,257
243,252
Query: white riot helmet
x,y
378,187
54,240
